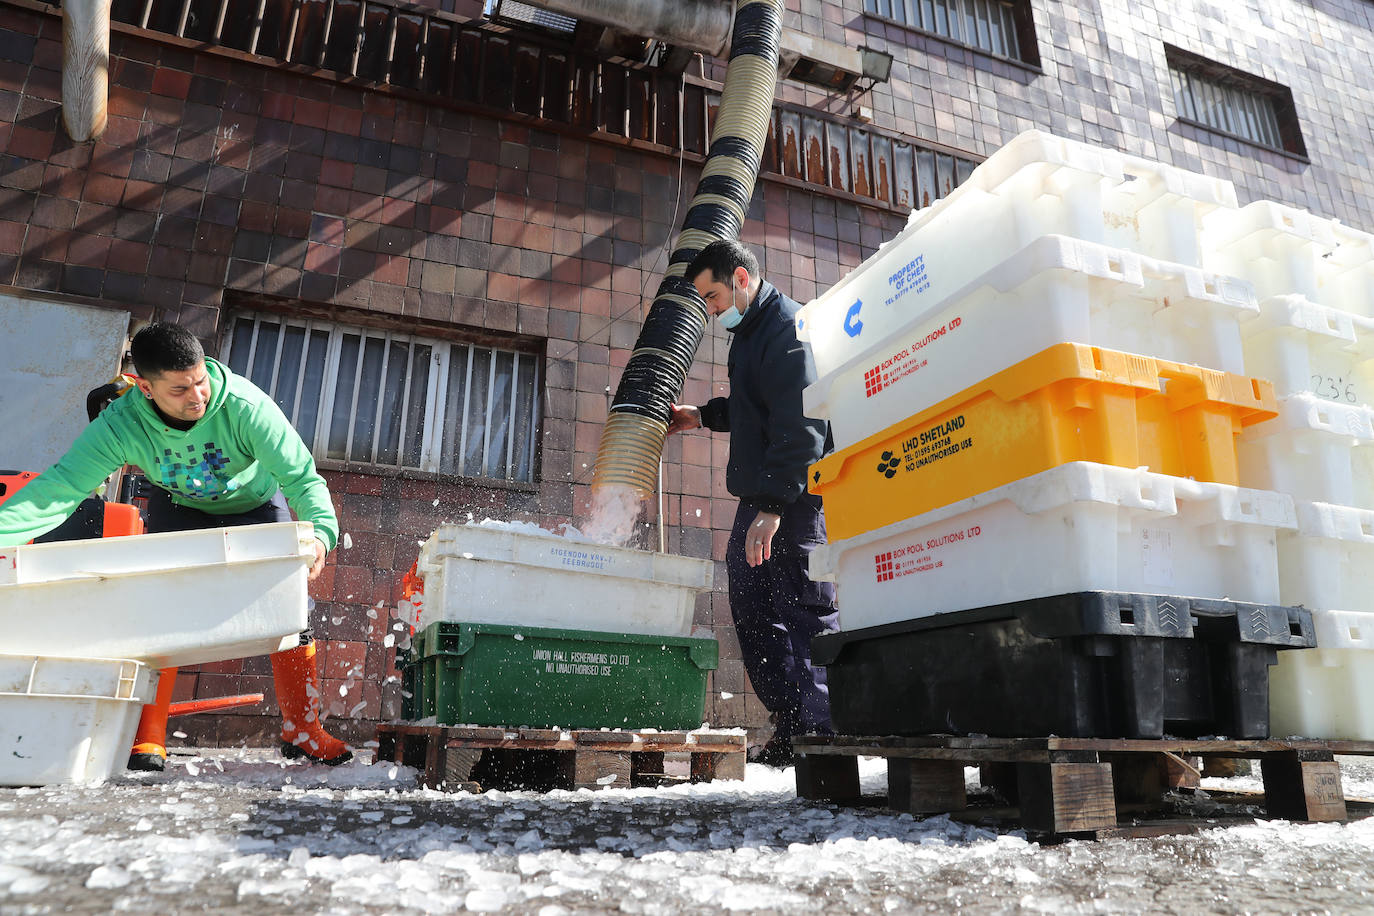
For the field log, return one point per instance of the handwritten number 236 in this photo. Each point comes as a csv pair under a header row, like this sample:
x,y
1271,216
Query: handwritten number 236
x,y
1337,389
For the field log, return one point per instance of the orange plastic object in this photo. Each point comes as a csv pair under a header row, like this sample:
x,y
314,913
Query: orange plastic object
x,y
413,592
151,736
192,707
1070,402
121,520
12,482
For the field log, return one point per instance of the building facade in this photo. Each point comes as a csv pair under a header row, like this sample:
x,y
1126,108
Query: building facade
x,y
432,232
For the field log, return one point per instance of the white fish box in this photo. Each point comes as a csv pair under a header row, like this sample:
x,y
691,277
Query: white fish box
x,y
68,720
1077,527
1280,249
1327,692
1348,281
1327,563
165,599
1301,346
1056,289
480,574
1034,186
1315,449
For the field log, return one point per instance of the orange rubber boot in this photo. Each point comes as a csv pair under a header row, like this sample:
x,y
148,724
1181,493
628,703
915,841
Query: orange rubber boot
x,y
298,696
150,741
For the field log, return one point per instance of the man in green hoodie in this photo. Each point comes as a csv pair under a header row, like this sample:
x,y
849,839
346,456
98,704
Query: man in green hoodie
x,y
220,453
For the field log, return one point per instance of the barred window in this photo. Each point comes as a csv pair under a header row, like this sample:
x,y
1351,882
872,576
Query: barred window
x,y
989,25
394,400
1231,102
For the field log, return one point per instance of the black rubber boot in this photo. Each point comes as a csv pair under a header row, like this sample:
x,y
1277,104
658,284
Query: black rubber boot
x,y
150,763
295,752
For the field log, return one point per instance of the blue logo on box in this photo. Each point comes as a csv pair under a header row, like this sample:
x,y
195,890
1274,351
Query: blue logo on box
x,y
852,325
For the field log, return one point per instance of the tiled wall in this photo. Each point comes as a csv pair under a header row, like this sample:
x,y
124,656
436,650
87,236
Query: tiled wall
x,y
1103,78
221,181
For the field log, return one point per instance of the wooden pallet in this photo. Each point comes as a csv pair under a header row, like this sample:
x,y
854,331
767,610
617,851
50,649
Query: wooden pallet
x,y
453,758
1085,787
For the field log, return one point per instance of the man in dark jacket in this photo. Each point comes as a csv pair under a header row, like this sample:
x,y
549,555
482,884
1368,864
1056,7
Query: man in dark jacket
x,y
777,608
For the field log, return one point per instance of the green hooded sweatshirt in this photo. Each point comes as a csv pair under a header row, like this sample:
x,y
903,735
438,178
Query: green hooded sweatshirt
x,y
232,460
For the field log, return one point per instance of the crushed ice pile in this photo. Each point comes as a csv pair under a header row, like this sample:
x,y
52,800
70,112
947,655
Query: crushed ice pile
x,y
240,832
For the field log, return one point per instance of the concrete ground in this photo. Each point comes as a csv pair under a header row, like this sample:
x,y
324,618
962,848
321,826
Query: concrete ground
x,y
241,832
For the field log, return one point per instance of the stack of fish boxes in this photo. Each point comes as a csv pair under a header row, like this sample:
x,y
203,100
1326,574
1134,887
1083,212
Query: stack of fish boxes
x,y
1036,392
1314,338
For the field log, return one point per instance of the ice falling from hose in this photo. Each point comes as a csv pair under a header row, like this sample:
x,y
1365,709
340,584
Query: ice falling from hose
x,y
632,441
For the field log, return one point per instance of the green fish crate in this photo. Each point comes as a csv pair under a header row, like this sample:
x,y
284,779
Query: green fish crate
x,y
496,674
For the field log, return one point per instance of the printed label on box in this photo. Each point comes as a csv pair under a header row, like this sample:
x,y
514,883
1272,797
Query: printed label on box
x,y
1157,556
919,556
581,664
906,361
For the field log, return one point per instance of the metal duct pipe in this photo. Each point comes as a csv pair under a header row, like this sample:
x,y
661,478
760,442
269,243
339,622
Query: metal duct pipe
x,y
632,440
85,67
700,25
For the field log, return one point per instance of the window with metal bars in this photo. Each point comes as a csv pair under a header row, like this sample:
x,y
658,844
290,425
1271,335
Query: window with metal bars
x,y
532,75
370,397
994,26
1235,103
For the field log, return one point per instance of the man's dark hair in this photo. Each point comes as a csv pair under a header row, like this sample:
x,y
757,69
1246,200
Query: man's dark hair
x,y
721,257
163,347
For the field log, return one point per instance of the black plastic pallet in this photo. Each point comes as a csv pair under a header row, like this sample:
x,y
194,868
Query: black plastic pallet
x,y
1087,664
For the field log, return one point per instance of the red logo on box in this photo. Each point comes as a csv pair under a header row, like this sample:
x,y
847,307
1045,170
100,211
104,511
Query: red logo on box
x,y
873,382
882,564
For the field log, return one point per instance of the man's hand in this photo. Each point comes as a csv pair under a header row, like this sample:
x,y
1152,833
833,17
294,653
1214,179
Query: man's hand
x,y
318,566
684,418
758,543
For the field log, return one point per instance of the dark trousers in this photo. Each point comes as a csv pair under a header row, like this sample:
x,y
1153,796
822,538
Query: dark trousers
x,y
777,609
165,515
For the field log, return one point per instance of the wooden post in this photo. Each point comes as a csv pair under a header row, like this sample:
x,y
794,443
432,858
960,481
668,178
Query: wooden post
x,y
708,766
1066,797
85,67
601,769
827,777
455,767
925,786
1298,788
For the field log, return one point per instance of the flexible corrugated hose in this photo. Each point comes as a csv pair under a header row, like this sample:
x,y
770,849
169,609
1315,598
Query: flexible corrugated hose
x,y
632,440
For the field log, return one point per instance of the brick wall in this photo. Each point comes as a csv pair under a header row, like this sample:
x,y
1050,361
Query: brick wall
x,y
219,182
223,181
1103,78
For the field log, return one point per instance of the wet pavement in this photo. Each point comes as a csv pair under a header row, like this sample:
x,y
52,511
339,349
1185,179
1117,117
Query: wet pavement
x,y
240,832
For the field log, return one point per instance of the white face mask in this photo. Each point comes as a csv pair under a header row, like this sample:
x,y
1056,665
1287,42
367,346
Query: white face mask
x,y
731,316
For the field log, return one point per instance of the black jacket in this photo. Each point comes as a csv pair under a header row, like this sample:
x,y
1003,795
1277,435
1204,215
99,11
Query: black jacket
x,y
772,444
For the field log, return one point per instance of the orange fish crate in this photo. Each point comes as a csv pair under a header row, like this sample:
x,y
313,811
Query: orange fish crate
x,y
1070,402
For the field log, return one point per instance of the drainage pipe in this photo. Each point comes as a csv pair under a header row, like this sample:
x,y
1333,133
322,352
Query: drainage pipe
x,y
85,67
632,440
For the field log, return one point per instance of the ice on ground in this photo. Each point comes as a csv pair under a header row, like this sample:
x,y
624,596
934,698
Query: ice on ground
x,y
251,834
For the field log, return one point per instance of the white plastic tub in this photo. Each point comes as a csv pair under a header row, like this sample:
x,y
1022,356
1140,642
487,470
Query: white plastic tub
x,y
479,574
1281,250
165,599
1056,289
1327,692
1328,561
1036,185
1315,449
1301,346
1348,283
1077,527
65,720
